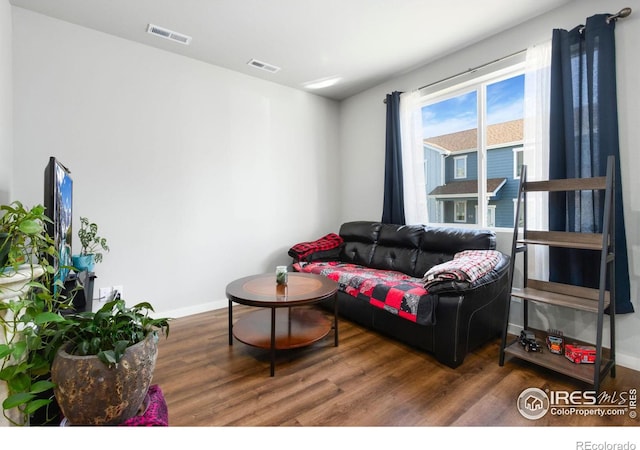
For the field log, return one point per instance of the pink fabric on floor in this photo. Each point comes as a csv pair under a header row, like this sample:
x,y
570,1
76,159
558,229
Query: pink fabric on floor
x,y
156,413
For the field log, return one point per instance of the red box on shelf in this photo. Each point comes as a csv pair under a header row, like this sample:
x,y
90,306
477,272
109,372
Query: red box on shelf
x,y
580,354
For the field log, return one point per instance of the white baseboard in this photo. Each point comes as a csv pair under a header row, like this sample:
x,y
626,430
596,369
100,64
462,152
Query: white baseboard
x,y
196,309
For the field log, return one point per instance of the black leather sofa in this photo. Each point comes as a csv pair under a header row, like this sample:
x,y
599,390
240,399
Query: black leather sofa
x,y
466,315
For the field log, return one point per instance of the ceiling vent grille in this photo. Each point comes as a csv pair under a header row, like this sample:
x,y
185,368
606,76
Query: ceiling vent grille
x,y
263,66
168,34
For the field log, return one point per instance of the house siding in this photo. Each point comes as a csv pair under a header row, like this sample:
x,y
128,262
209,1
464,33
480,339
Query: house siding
x,y
500,163
433,177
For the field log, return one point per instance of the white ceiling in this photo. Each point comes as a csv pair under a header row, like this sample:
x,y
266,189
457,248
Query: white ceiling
x,y
364,42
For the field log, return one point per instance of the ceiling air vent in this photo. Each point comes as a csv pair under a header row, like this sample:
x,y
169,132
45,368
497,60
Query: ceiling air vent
x,y
263,66
168,34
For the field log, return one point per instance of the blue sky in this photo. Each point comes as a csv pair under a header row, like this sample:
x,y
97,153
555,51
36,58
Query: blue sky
x,y
504,103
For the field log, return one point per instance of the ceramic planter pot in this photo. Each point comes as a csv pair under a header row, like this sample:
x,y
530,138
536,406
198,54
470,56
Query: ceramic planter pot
x,y
84,262
90,393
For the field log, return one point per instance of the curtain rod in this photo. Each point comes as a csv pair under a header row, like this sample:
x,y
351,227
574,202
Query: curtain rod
x,y
472,69
624,12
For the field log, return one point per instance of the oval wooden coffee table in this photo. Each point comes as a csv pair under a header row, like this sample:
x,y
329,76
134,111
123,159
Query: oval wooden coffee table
x,y
279,325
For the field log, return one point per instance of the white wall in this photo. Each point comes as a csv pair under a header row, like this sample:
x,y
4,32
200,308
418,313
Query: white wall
x,y
362,141
6,101
6,129
196,175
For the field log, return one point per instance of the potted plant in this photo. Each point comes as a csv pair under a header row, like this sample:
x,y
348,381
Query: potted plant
x,y
28,299
104,364
91,245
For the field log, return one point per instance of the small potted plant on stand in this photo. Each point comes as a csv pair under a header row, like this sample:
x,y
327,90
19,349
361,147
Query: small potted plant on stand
x,y
90,244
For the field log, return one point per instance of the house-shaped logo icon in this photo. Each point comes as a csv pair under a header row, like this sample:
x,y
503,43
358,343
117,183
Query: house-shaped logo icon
x,y
533,403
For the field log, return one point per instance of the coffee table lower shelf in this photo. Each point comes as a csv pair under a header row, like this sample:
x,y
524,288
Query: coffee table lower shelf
x,y
294,327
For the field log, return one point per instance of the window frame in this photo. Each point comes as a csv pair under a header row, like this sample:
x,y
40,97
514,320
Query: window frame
x,y
492,215
477,80
456,203
463,160
517,151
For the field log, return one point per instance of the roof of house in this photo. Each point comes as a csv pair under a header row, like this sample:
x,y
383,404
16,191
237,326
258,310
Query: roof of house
x,y
462,141
467,188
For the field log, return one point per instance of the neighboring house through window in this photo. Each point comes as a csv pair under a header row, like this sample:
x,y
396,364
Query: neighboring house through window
x,y
473,140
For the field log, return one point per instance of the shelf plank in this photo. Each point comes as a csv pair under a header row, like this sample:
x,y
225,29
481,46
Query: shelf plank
x,y
559,363
568,289
566,239
576,297
567,184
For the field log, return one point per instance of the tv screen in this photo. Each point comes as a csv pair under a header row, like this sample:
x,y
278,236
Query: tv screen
x,y
58,201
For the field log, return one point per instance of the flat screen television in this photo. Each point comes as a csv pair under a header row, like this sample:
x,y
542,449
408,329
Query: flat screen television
x,y
58,201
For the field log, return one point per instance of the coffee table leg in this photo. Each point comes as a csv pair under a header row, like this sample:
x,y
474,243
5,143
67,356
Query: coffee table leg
x,y
230,322
273,341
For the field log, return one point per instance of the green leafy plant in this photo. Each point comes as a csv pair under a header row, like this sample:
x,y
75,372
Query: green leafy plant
x,y
24,235
25,359
108,332
90,242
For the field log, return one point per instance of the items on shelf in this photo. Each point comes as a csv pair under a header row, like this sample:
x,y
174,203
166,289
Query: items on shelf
x,y
529,342
580,354
555,341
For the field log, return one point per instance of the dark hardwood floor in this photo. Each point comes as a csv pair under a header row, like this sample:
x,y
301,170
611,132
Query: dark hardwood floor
x,y
368,380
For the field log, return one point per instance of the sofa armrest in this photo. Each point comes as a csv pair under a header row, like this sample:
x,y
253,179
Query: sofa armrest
x,y
323,255
325,248
468,318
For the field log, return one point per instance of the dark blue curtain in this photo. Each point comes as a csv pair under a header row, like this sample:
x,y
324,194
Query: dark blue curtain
x,y
393,206
583,133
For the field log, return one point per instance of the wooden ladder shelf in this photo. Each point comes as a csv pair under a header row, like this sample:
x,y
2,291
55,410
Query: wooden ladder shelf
x,y
591,300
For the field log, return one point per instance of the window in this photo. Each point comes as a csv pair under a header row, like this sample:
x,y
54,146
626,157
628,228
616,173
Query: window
x,y
460,167
491,215
518,161
473,148
460,211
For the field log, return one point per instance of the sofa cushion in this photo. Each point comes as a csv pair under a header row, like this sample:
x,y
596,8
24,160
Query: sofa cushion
x,y
359,239
397,248
393,291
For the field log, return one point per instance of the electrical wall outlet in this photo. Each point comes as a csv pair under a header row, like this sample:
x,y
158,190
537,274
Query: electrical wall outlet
x,y
104,294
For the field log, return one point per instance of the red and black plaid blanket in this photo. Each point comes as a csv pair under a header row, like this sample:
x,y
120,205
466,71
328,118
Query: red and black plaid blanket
x,y
392,291
303,249
468,265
